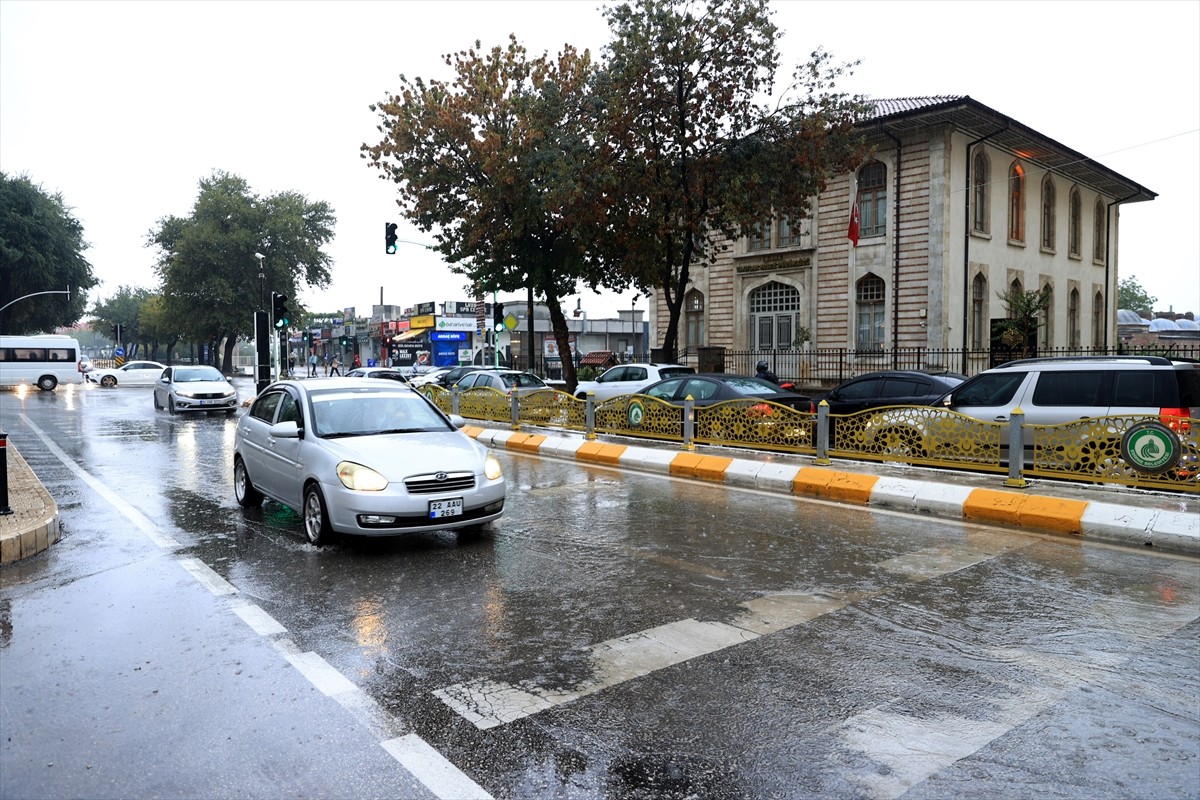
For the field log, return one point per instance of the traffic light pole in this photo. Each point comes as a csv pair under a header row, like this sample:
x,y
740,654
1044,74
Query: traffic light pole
x,y
262,350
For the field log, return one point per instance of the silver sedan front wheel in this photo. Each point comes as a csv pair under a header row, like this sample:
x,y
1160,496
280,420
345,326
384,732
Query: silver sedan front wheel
x,y
316,517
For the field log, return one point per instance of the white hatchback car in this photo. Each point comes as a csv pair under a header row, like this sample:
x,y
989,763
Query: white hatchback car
x,y
371,458
628,379
132,373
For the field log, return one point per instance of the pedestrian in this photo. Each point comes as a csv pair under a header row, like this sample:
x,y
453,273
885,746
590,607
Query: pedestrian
x,y
292,365
333,366
312,365
762,371
357,361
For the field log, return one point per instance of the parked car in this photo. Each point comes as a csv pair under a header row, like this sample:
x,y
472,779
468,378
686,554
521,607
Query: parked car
x,y
889,388
1052,391
628,379
371,458
430,376
710,388
505,381
180,389
386,373
133,373
454,375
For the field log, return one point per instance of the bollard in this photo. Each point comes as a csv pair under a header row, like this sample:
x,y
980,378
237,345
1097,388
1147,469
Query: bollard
x,y
689,423
589,417
516,410
1016,449
4,509
822,442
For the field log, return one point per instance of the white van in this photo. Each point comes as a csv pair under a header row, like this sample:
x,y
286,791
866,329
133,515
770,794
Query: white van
x,y
42,361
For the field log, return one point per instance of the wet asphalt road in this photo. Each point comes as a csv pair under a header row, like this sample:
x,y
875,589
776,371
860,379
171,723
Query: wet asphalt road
x,y
615,635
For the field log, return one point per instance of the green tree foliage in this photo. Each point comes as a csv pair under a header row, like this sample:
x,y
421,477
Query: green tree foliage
x,y
41,249
1132,296
499,167
700,141
210,275
1018,332
122,309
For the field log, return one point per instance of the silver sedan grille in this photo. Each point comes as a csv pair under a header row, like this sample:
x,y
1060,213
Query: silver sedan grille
x,y
440,482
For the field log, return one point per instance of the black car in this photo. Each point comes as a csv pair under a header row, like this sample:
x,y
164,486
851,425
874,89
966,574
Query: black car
x,y
890,388
452,377
710,388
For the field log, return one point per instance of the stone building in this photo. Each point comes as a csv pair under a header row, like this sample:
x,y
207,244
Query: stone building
x,y
958,204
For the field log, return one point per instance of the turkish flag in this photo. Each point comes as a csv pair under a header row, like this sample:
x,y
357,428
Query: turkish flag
x,y
852,233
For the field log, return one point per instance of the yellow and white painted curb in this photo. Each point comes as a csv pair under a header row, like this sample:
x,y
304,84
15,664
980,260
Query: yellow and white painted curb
x,y
1175,531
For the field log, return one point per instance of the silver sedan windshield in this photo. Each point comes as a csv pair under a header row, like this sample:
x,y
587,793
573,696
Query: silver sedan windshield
x,y
340,413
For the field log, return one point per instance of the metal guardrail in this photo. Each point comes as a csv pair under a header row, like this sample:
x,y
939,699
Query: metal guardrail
x,y
1087,450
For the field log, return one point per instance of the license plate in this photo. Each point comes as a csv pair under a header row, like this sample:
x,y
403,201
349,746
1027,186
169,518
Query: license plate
x,y
445,508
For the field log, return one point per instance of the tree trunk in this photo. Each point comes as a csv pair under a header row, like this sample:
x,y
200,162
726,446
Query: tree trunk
x,y
226,365
562,336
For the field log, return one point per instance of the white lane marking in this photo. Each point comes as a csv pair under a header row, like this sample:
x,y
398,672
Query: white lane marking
x,y
259,621
320,673
432,769
488,704
140,520
207,577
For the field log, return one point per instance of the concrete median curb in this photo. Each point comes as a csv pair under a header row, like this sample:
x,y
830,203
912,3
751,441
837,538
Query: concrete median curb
x,y
34,524
1161,529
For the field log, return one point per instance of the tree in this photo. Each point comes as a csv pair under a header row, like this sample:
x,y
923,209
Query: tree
x,y
1132,296
210,275
1018,332
41,248
696,148
499,166
124,308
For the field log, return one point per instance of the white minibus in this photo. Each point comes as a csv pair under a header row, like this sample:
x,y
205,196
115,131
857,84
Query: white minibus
x,y
41,361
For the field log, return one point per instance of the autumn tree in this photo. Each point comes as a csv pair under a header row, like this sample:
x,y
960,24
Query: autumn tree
x,y
700,142
498,165
41,249
207,262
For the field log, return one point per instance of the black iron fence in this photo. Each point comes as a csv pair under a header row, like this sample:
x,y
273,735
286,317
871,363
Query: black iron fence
x,y
829,366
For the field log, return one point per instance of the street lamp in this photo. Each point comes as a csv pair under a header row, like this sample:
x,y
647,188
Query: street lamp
x,y
261,280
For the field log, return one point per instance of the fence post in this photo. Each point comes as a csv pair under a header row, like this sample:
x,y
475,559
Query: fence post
x,y
589,417
689,423
454,390
516,411
1016,438
822,458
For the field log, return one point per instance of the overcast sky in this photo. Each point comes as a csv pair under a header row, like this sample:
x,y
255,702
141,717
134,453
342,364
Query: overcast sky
x,y
123,107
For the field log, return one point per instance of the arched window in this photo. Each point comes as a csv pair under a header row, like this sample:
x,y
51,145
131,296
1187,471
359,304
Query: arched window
x,y
773,309
1099,231
1049,200
1015,288
978,295
870,296
981,195
1045,337
1098,320
1075,225
872,200
1016,202
1073,319
693,309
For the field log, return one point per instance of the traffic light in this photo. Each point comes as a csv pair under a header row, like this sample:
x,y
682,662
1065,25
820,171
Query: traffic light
x,y
498,317
280,310
391,238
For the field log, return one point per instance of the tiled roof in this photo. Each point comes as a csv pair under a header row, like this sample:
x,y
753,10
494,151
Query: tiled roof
x,y
898,116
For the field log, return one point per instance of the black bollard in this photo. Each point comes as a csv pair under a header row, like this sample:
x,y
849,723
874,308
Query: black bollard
x,y
4,509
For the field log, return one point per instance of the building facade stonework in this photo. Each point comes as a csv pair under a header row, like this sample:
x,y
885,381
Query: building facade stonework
x,y
958,205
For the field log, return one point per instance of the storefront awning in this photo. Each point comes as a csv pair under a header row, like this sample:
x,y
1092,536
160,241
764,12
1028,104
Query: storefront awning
x,y
408,335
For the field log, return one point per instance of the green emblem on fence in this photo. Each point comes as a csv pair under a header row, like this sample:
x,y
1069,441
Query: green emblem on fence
x,y
1151,447
636,413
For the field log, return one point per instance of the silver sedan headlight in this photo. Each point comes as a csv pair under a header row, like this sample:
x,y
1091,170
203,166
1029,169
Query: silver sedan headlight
x,y
360,478
491,467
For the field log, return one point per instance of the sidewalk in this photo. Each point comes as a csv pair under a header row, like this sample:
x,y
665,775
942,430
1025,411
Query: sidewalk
x,y
33,525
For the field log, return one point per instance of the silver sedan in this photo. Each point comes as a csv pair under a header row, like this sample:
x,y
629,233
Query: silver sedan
x,y
372,458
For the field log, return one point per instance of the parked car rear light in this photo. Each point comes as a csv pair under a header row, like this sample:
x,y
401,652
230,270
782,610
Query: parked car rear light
x,y
1176,419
